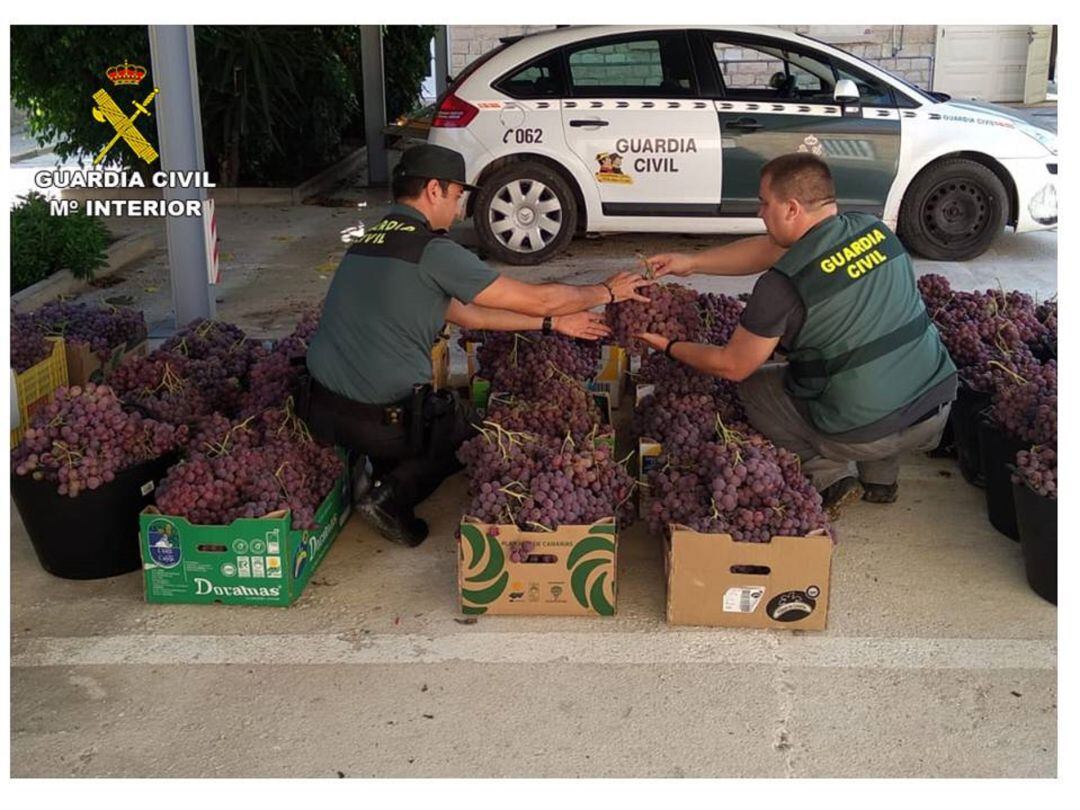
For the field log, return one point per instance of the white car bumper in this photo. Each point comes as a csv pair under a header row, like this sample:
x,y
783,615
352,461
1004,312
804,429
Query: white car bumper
x,y
1036,192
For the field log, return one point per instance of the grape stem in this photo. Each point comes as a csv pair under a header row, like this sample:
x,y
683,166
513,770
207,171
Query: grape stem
x,y
1016,377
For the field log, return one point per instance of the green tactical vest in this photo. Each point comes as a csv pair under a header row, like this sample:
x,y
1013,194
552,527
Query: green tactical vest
x,y
867,346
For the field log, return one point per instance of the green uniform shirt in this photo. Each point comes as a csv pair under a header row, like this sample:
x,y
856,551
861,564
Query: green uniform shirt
x,y
386,306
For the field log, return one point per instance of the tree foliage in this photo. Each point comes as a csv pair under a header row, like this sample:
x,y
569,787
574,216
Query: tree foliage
x,y
277,102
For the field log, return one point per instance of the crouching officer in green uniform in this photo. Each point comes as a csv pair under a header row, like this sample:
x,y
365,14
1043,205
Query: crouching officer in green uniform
x,y
370,360
866,376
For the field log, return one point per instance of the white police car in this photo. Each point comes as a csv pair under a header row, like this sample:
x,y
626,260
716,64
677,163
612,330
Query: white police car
x,y
663,129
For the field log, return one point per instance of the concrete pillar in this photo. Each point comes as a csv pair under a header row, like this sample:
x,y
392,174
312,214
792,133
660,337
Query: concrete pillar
x,y
442,58
371,65
179,126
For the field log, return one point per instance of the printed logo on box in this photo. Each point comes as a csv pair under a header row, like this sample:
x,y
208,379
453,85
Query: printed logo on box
x,y
243,566
228,570
258,568
240,546
258,547
273,567
163,540
791,606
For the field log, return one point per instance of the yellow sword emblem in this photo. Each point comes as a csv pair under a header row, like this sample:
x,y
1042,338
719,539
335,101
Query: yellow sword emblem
x,y
107,110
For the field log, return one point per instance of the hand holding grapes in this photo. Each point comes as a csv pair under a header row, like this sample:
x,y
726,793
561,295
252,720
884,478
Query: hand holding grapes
x,y
586,325
658,342
671,264
624,286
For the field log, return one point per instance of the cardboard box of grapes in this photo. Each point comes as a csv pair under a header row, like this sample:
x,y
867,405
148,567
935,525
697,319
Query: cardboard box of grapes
x,y
252,561
611,377
84,364
715,581
504,570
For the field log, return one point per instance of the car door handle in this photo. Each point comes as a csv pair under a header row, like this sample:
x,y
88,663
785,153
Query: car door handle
x,y
588,122
745,124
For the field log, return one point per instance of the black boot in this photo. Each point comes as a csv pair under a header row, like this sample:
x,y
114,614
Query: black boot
x,y
835,496
381,509
880,493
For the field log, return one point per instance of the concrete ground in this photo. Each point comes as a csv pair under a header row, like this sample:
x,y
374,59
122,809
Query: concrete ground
x,y
938,659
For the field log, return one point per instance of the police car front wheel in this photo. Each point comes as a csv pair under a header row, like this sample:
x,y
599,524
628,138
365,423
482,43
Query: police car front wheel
x,y
525,213
953,210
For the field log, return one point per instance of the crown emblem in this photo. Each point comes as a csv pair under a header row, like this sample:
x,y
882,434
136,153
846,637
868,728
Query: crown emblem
x,y
126,73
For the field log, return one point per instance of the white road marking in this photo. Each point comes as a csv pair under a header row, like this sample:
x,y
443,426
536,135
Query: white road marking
x,y
671,647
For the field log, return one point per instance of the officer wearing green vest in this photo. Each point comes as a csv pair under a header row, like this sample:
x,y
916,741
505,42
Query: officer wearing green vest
x,y
866,376
370,360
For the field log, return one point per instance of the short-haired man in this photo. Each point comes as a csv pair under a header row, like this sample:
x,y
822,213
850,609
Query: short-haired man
x,y
370,360
866,376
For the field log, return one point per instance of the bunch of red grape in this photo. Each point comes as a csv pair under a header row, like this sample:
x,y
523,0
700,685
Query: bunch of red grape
x,y
680,421
982,330
28,344
741,485
541,483
1037,469
672,311
264,464
671,376
174,388
84,437
719,317
565,409
1026,407
515,361
224,344
102,327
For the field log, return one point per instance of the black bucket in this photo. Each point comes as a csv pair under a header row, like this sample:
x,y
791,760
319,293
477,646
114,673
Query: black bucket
x,y
998,450
95,534
1037,518
965,417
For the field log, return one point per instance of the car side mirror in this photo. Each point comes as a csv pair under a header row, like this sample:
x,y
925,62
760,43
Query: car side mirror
x,y
847,92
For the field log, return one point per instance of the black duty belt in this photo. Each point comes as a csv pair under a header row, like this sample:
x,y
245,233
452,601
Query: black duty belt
x,y
390,413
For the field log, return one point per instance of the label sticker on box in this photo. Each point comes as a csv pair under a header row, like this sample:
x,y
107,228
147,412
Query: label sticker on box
x,y
743,600
147,488
163,541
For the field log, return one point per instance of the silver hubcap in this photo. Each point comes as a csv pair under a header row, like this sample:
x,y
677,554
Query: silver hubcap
x,y
525,215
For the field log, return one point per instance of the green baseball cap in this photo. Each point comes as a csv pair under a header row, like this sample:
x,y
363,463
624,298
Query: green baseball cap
x,y
432,162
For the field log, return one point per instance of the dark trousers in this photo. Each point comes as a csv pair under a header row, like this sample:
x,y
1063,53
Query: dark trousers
x,y
825,460
414,473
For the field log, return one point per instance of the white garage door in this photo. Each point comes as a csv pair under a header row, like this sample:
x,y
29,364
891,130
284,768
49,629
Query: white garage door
x,y
987,62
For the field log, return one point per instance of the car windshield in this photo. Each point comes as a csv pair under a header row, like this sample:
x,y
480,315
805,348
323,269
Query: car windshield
x,y
924,95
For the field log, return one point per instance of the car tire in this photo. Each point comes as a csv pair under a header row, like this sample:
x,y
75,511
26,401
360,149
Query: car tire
x,y
953,210
525,213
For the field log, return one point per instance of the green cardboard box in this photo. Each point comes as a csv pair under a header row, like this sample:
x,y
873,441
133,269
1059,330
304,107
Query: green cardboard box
x,y
252,561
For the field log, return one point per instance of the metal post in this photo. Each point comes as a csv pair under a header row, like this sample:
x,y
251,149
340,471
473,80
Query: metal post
x,y
442,58
371,65
179,125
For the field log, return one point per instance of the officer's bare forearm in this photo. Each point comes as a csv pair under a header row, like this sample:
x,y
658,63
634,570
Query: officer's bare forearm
x,y
744,257
715,360
566,299
474,316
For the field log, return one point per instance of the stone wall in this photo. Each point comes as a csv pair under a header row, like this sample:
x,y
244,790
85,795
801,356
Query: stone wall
x,y
906,50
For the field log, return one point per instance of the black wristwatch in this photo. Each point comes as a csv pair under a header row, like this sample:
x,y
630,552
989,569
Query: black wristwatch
x,y
547,325
667,349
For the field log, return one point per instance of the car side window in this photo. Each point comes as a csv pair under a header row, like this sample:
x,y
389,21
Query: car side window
x,y
541,78
647,65
768,72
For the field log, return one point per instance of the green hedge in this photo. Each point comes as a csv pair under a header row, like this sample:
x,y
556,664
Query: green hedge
x,y
42,244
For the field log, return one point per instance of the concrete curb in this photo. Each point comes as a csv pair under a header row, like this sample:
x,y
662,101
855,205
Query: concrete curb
x,y
119,255
323,181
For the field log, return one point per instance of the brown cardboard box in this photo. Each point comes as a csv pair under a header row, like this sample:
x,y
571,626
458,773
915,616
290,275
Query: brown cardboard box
x,y
789,589
574,577
85,366
611,377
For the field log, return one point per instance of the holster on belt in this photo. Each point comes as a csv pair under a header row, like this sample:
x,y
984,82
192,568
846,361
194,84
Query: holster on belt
x,y
417,421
